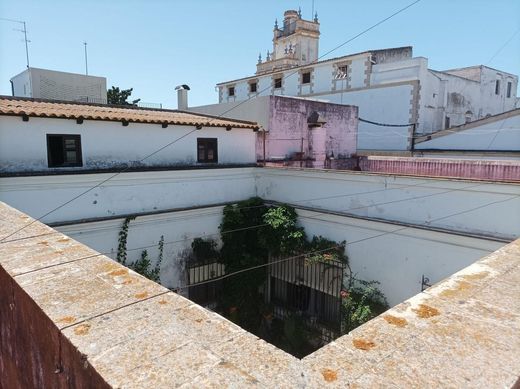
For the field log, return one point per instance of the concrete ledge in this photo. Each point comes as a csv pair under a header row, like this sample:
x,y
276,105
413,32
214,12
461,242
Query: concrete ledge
x,y
70,317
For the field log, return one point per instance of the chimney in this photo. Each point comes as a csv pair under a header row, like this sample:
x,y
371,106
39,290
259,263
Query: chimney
x,y
182,96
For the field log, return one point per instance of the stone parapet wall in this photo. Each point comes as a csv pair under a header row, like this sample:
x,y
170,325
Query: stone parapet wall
x,y
71,317
494,170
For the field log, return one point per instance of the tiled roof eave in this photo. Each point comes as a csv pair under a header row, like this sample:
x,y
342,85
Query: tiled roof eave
x,y
12,106
140,121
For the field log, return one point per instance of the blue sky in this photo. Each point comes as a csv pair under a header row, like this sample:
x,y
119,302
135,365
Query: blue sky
x,y
155,45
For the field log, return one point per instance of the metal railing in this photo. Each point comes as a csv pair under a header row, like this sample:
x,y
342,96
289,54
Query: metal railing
x,y
141,104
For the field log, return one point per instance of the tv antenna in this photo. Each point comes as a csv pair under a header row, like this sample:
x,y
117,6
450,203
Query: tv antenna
x,y
86,59
24,30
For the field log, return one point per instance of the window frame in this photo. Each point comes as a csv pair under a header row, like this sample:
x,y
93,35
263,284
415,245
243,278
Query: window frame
x,y
255,83
275,82
305,74
345,73
497,87
509,88
231,91
78,149
207,141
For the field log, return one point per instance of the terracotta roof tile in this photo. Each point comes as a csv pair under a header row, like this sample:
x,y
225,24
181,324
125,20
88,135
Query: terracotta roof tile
x,y
71,110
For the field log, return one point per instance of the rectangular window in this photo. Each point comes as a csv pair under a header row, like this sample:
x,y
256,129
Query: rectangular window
x,y
252,87
497,87
278,83
509,85
231,91
64,150
306,78
447,122
341,72
207,151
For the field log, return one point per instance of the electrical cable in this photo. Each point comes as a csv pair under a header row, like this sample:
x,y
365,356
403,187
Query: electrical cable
x,y
307,217
332,247
215,118
293,202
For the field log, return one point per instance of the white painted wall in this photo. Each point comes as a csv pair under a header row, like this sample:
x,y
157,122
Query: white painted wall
x,y
491,102
23,145
357,74
126,193
255,109
501,135
405,70
386,105
178,228
397,260
50,84
21,84
416,200
440,95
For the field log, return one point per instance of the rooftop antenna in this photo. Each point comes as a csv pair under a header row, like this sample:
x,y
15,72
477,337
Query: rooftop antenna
x,y
24,30
86,58
312,13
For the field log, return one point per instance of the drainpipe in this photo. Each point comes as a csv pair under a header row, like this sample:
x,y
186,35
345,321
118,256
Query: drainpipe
x,y
412,145
301,154
263,140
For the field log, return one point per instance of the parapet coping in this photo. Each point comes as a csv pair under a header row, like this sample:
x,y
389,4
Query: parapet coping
x,y
462,332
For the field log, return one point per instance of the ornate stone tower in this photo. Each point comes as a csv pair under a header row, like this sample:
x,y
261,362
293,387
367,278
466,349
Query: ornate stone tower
x,y
294,44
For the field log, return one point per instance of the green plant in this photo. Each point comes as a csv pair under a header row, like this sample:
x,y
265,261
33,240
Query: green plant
x,y
361,301
324,250
122,240
143,265
283,236
204,250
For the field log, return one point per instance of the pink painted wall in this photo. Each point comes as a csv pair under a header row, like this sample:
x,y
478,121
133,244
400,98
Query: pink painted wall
x,y
497,170
289,131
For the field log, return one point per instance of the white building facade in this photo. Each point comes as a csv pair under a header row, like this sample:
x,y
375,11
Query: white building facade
x,y
50,84
389,86
42,137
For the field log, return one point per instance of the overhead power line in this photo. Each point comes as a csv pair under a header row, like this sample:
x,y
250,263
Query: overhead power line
x,y
332,247
190,132
315,217
386,124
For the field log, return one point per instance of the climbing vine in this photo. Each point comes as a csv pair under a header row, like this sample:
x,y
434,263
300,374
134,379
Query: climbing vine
x,y
253,234
245,246
143,265
123,237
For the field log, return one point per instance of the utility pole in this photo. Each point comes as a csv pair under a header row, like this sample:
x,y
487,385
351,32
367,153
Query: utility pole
x,y
86,59
24,34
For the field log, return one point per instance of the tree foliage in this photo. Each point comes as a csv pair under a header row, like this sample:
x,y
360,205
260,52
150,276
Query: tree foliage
x,y
144,266
245,245
118,96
